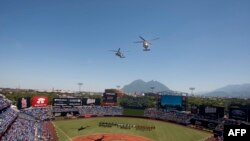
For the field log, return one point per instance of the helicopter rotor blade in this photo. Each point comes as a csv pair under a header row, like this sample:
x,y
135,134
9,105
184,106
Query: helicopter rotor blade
x,y
155,39
142,38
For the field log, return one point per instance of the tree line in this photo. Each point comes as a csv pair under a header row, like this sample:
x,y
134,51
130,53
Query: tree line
x,y
141,102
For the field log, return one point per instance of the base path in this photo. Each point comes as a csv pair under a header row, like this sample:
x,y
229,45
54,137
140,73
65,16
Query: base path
x,y
111,137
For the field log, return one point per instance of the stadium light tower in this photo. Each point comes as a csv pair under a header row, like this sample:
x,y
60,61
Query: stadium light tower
x,y
80,85
192,90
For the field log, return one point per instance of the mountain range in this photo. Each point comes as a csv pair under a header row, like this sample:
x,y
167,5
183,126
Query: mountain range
x,y
140,86
242,91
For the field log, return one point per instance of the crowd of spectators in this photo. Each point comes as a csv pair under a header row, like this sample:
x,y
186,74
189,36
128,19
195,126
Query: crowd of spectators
x,y
27,122
26,127
100,110
173,116
39,113
26,116
64,109
23,129
30,124
43,131
3,104
90,110
7,117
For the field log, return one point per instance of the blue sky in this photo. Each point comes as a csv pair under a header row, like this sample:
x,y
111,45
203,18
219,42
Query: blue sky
x,y
56,44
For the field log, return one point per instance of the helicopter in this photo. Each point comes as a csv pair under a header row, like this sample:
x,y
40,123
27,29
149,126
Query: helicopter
x,y
118,53
146,43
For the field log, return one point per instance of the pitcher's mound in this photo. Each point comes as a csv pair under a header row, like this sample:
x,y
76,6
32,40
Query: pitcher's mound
x,y
111,137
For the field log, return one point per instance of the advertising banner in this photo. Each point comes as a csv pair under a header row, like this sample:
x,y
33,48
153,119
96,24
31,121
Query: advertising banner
x,y
40,101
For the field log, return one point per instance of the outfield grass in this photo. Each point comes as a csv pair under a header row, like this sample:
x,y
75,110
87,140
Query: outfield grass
x,y
164,131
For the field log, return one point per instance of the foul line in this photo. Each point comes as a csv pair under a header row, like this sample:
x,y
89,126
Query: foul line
x,y
62,131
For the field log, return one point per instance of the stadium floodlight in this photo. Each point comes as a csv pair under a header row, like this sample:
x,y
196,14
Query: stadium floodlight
x,y
80,85
118,86
192,90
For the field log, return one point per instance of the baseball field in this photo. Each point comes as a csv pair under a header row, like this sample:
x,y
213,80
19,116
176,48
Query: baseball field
x,y
68,130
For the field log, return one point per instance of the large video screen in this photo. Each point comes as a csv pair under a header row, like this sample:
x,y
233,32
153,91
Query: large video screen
x,y
23,102
171,100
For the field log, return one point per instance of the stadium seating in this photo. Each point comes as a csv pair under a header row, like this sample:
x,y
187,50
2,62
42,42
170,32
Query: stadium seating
x,y
100,110
3,104
173,116
64,109
21,130
39,113
7,116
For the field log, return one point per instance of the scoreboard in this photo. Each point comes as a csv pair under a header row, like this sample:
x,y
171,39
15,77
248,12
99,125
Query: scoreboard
x,y
60,102
212,112
109,99
67,102
238,114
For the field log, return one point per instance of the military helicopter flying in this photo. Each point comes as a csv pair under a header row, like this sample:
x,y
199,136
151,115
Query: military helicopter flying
x,y
146,43
118,53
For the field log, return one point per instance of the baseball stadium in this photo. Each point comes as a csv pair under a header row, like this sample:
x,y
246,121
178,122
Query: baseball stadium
x,y
66,67
109,118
